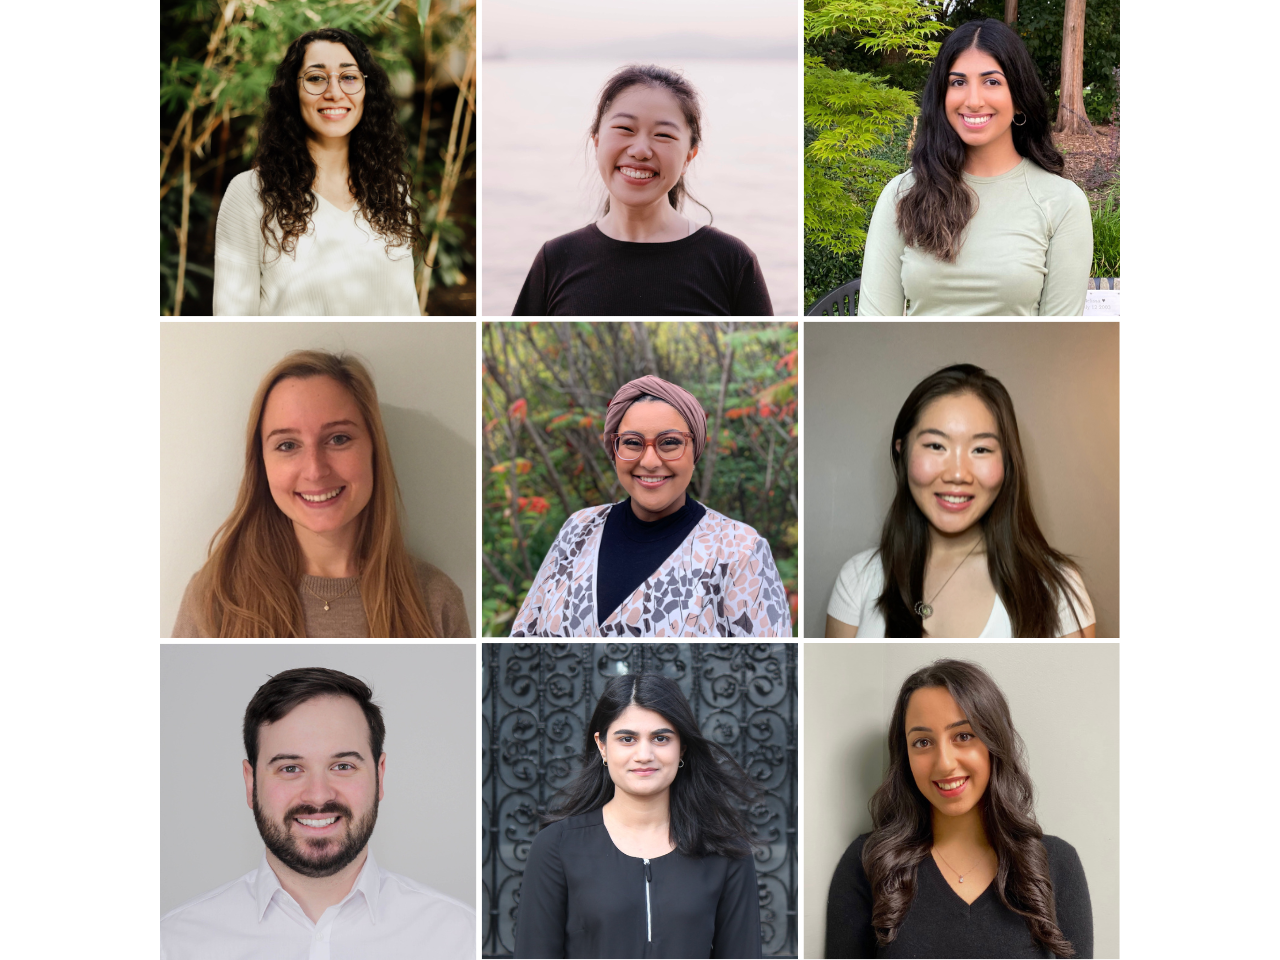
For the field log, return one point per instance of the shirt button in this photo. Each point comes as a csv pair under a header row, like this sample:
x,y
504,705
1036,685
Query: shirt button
x,y
319,937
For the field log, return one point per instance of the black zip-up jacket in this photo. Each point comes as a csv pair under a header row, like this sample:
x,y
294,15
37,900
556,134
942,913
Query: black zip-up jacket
x,y
583,897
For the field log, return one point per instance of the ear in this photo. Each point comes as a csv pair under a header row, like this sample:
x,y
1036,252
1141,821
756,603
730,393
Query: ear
x,y
595,140
247,770
897,446
382,777
599,745
689,159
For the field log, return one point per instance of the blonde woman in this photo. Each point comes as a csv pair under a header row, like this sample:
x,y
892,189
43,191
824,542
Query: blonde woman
x,y
313,546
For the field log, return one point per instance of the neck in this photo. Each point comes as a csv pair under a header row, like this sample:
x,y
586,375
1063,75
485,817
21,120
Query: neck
x,y
640,224
962,833
992,159
640,813
315,895
953,546
648,516
331,554
330,156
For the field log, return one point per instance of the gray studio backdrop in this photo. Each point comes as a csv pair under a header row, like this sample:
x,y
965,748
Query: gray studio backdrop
x,y
1064,379
1065,701
426,822
425,373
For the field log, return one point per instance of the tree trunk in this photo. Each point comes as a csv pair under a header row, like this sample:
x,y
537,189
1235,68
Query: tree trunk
x,y
1011,12
1071,116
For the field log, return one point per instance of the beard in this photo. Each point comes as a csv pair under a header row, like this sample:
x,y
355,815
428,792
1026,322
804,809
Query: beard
x,y
315,857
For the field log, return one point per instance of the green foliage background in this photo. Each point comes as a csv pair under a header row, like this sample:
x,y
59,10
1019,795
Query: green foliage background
x,y
231,93
546,388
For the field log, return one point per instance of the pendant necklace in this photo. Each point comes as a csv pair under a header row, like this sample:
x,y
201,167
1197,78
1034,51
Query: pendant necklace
x,y
338,597
925,610
953,869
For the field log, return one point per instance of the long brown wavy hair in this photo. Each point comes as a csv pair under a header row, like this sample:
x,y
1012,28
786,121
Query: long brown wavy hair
x,y
249,584
934,212
1028,574
903,833
376,153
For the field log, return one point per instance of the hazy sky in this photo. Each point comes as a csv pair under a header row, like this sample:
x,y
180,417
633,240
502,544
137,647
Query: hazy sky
x,y
518,24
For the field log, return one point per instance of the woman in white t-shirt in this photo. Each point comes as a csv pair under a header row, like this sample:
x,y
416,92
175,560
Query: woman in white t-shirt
x,y
961,554
324,224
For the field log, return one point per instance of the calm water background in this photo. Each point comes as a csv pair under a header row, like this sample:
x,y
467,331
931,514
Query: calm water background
x,y
540,180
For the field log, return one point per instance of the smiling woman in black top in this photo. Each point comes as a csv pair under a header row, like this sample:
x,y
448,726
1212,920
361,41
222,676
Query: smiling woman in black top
x,y
647,854
957,865
643,256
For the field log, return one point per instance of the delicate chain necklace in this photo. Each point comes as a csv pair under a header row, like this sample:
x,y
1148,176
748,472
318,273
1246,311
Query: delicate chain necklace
x,y
338,597
953,869
925,610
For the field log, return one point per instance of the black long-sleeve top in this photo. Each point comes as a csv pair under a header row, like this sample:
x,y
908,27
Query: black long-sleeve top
x,y
583,897
940,924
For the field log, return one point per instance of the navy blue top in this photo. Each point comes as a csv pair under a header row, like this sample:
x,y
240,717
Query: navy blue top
x,y
631,550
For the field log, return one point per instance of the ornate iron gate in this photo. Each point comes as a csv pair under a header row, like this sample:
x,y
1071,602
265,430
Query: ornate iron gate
x,y
538,700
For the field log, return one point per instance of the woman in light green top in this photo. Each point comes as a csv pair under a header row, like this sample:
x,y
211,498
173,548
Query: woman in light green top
x,y
982,224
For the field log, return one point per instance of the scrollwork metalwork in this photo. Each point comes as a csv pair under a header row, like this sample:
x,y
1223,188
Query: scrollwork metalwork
x,y
538,700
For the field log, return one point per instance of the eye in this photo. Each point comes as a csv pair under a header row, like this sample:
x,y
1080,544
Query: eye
x,y
661,738
626,739
983,450
285,446
631,443
340,439
290,768
315,78
921,743
671,443
957,81
344,766
350,77
933,445
964,737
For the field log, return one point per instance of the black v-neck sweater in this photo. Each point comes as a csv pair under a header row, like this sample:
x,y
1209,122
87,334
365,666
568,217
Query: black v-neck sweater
x,y
940,924
583,897
631,550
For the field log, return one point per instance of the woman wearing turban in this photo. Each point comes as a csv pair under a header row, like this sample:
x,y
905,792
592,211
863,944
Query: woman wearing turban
x,y
658,564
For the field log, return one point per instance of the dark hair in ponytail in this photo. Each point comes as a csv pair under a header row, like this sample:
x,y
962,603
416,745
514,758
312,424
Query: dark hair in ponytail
x,y
708,791
650,75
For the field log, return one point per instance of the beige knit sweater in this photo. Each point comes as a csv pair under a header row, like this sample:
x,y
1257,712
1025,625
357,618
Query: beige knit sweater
x,y
345,617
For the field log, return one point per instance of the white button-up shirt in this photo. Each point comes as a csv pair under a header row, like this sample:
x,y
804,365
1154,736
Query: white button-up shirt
x,y
385,916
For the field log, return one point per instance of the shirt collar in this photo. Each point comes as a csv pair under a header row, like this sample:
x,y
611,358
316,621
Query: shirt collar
x,y
368,883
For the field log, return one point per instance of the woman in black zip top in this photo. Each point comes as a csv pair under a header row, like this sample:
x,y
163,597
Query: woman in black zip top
x,y
647,854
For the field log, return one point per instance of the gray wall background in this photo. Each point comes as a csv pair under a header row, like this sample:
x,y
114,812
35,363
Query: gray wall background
x,y
1065,701
426,823
1064,379
425,373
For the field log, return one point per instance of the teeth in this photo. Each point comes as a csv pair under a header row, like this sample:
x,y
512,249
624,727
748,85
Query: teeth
x,y
638,174
653,480
335,111
315,823
975,121
955,499
950,784
322,497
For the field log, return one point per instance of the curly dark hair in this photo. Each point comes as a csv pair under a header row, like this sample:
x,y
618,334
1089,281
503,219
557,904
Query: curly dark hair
x,y
286,171
903,818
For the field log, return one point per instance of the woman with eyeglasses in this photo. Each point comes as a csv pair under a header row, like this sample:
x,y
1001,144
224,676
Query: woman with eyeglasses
x,y
658,564
324,224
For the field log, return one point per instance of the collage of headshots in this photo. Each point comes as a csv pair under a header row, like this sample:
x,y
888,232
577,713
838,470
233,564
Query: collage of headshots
x,y
639,635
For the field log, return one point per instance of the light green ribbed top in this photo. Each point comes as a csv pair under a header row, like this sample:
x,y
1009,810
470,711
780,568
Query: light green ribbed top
x,y
1026,253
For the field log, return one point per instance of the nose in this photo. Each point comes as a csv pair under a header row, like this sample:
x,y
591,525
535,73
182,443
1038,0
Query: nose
x,y
946,760
333,91
317,790
957,468
640,149
651,460
644,751
317,463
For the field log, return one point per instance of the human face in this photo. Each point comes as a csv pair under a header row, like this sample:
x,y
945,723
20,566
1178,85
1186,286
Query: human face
x,y
333,113
316,788
656,486
949,764
318,454
643,146
642,750
955,465
979,106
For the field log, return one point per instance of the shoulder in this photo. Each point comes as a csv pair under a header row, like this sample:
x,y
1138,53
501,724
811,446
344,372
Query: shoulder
x,y
572,242
556,832
737,537
441,906
849,869
435,583
899,185
1050,188
583,520
212,906
243,188
724,244
190,620
861,567
1061,854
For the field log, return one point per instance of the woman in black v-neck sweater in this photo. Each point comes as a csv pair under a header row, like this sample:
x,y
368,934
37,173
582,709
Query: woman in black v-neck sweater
x,y
957,795
647,854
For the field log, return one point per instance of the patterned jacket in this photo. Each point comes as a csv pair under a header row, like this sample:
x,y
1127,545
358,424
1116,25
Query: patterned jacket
x,y
721,582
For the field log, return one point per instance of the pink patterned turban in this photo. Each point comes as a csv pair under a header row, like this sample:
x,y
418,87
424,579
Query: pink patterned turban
x,y
680,398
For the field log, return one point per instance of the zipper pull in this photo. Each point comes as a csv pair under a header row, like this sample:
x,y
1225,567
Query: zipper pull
x,y
648,875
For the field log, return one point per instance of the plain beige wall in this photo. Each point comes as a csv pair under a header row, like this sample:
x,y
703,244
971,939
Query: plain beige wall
x,y
1065,701
425,373
1064,379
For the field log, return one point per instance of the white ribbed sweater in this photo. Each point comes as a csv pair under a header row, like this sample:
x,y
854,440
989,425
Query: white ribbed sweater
x,y
340,267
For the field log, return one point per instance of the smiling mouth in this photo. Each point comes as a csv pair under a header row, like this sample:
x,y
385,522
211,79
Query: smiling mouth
x,y
955,498
321,497
651,481
635,174
951,788
309,822
976,121
335,112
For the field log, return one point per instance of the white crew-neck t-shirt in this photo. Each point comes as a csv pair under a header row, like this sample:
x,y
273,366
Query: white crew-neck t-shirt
x,y
861,581
340,266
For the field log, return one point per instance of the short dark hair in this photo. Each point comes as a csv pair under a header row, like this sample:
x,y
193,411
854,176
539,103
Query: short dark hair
x,y
292,688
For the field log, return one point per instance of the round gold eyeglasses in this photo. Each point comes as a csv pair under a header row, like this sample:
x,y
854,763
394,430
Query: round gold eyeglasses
x,y
316,83
670,446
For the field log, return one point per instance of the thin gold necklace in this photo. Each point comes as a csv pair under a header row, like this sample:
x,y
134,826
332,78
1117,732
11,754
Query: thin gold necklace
x,y
953,869
322,599
925,610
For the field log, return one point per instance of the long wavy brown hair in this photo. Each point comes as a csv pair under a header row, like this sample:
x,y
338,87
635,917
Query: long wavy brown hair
x,y
934,212
249,584
378,180
903,833
1028,574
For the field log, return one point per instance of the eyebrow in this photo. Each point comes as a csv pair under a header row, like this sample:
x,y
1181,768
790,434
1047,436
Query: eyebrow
x,y
637,433
657,123
337,756
331,423
984,73
976,436
958,723
322,66
632,733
